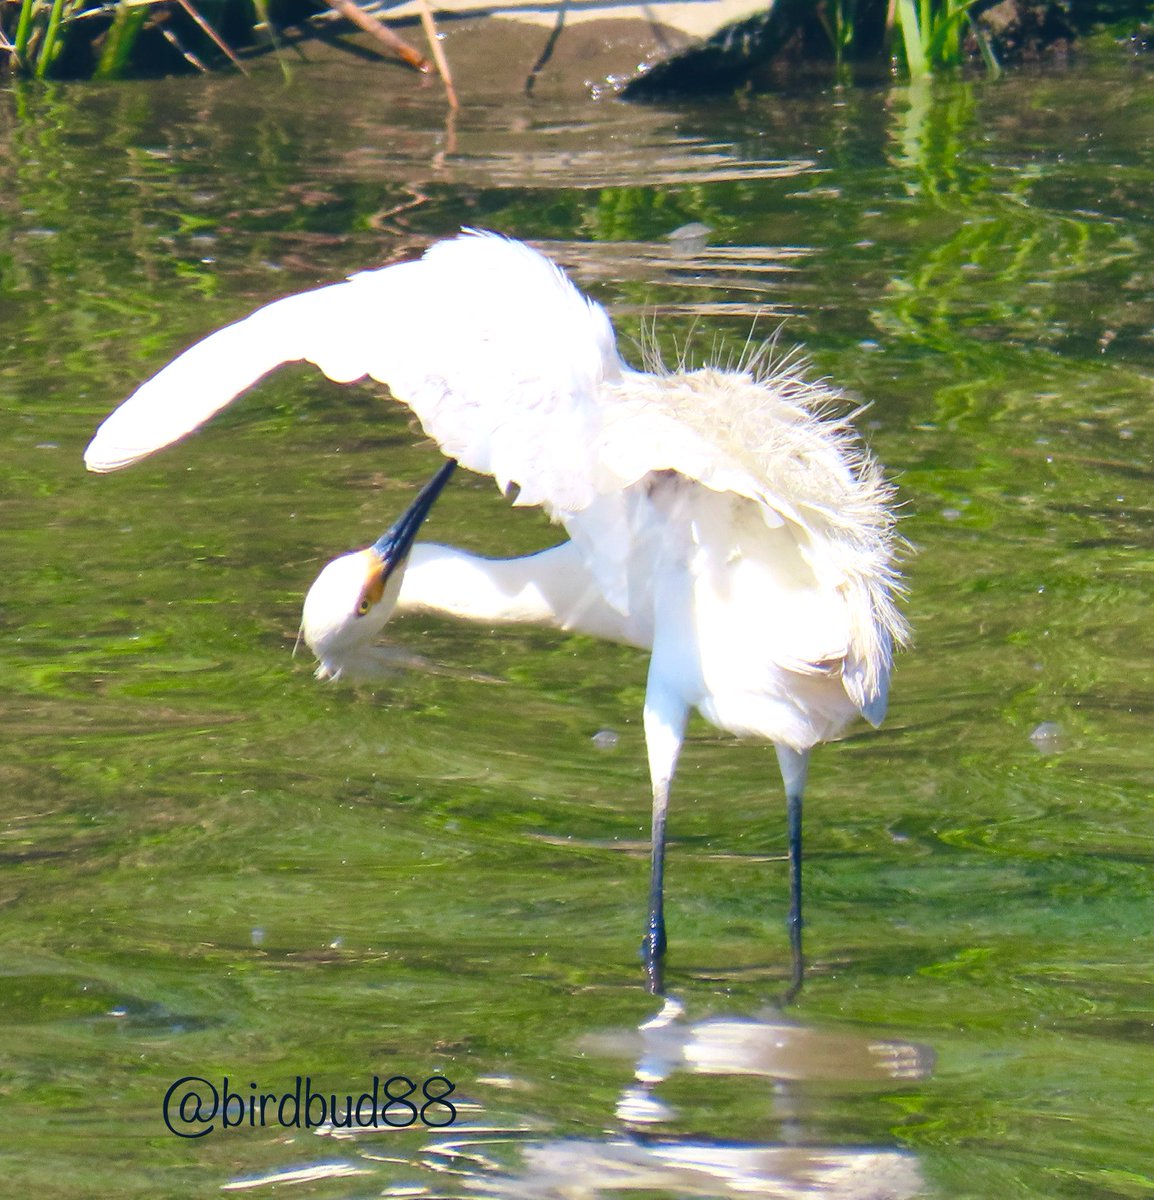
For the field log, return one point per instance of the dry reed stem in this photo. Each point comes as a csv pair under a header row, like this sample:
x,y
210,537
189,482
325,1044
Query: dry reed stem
x,y
430,27
354,13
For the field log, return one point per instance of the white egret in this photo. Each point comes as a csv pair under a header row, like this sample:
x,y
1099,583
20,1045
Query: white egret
x,y
723,520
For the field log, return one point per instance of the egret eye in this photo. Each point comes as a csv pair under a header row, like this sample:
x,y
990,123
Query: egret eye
x,y
364,606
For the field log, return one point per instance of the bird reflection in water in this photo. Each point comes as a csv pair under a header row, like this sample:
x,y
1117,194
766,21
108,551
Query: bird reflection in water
x,y
791,1070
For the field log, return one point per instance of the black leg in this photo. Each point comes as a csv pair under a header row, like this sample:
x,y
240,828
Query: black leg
x,y
653,944
665,715
793,765
793,815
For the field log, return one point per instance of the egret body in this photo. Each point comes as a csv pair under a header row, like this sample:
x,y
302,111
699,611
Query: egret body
x,y
723,520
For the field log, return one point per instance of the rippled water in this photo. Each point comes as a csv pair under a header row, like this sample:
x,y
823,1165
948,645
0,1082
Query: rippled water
x,y
215,867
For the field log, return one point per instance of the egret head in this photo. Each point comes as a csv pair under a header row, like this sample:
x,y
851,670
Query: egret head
x,y
353,597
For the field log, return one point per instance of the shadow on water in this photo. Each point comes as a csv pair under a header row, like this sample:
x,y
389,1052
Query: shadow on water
x,y
213,867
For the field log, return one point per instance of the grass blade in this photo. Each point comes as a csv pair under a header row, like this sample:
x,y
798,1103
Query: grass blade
x,y
120,40
48,51
987,51
912,39
23,29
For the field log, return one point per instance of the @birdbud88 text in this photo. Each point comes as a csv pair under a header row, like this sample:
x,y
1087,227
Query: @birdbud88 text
x,y
194,1107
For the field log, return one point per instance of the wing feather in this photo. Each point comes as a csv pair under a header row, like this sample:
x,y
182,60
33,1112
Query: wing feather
x,y
501,359
515,374
209,375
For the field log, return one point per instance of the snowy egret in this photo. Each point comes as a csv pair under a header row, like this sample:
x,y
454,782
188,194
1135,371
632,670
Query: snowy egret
x,y
724,520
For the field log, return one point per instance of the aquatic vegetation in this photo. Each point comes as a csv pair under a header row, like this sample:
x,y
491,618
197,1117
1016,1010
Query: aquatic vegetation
x,y
870,38
96,38
924,34
116,38
933,34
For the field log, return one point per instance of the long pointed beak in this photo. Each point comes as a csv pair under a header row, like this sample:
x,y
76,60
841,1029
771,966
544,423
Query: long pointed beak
x,y
393,547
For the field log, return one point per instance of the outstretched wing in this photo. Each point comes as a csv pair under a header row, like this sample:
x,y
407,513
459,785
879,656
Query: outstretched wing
x,y
497,353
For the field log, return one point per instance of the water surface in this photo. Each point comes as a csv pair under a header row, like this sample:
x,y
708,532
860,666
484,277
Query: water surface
x,y
214,866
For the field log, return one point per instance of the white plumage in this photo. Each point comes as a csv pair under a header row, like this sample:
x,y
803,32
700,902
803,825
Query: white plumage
x,y
721,519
